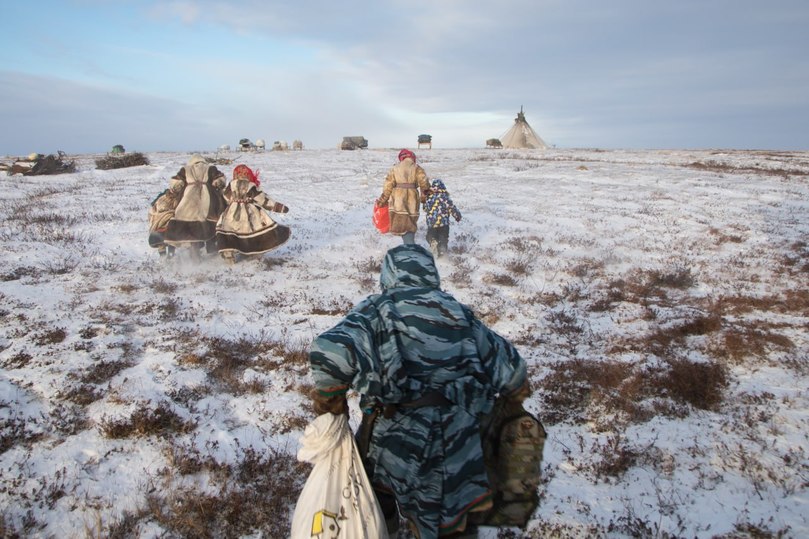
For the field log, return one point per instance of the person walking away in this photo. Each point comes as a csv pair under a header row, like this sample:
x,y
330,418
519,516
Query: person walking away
x,y
405,186
161,210
245,227
438,209
201,203
427,371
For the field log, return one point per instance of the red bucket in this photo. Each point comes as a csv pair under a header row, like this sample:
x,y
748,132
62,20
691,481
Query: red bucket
x,y
381,218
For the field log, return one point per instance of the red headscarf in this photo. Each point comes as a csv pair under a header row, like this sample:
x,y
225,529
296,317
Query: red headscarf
x,y
243,172
404,154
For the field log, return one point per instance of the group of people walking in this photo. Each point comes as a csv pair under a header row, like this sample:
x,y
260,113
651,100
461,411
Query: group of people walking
x,y
427,369
200,209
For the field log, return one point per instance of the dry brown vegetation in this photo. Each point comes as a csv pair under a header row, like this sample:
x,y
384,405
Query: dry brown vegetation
x,y
244,498
718,167
122,161
611,393
146,421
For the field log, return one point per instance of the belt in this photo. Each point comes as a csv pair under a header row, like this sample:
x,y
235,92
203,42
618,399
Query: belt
x,y
432,398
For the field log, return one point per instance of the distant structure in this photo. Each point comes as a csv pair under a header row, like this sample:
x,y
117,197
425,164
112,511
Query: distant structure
x,y
425,140
260,145
246,146
280,146
353,143
494,143
224,148
522,136
297,145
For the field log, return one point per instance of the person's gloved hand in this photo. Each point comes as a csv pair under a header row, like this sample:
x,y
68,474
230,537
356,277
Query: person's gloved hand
x,y
336,404
379,203
458,219
280,208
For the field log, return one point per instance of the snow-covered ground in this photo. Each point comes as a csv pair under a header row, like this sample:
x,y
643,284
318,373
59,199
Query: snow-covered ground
x,y
660,298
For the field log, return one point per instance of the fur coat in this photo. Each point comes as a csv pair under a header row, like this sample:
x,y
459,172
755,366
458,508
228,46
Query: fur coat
x,y
401,193
244,226
200,204
160,213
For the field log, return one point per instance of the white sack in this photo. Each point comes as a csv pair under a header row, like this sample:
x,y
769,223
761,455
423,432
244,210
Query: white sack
x,y
337,500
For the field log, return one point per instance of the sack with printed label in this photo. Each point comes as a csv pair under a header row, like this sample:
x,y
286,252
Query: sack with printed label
x,y
337,500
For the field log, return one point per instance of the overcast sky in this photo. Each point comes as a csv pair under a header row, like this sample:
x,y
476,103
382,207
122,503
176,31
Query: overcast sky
x,y
84,75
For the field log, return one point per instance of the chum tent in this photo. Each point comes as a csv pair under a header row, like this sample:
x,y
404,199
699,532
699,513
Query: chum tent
x,y
521,135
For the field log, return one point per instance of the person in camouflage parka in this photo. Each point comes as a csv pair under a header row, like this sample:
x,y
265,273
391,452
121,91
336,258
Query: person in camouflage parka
x,y
421,356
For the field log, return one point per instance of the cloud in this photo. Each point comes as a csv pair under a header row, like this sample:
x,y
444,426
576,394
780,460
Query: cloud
x,y
419,54
46,114
49,114
461,56
618,75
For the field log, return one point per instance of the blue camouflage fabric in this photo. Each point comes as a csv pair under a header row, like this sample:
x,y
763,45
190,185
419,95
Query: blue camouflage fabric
x,y
439,207
397,346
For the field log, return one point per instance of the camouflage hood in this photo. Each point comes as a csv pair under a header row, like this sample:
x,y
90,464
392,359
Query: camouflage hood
x,y
409,265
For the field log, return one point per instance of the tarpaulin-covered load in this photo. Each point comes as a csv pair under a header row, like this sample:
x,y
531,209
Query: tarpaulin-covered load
x,y
39,165
353,143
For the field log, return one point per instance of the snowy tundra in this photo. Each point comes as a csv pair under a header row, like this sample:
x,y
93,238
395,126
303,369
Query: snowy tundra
x,y
660,298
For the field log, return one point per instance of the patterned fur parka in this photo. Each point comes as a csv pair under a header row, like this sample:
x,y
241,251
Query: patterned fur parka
x,y
245,227
199,184
406,186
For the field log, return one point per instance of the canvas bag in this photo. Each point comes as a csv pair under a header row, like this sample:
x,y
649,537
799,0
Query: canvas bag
x,y
337,500
381,218
513,442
